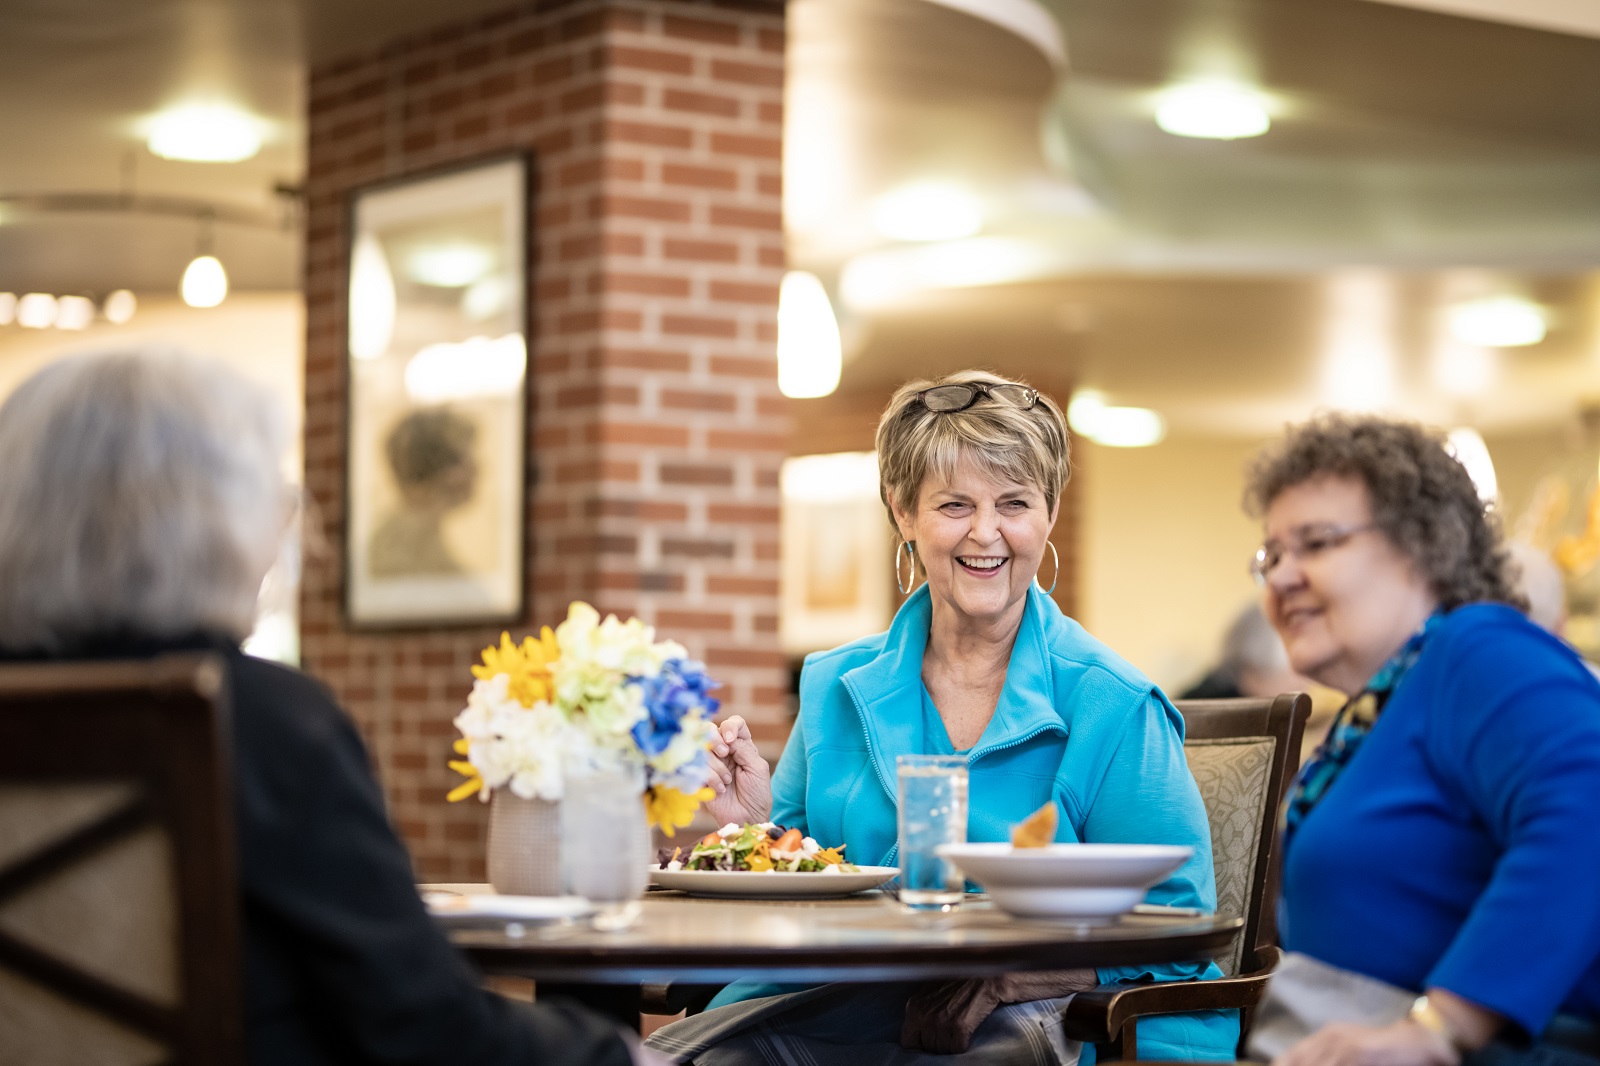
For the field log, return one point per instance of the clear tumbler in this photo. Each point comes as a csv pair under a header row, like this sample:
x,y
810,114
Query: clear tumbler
x,y
933,811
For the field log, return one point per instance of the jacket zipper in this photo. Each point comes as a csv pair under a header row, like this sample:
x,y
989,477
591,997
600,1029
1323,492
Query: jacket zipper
x,y
893,793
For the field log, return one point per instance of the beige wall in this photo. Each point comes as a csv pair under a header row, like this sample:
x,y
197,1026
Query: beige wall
x,y
1165,545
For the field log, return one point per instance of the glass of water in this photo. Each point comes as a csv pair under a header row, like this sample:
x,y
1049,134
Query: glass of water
x,y
933,811
605,843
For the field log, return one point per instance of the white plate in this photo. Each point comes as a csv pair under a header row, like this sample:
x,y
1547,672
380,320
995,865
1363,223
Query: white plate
x,y
511,908
1067,880
737,884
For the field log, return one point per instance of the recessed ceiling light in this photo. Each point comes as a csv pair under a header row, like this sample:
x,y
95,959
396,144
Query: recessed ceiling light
x,y
1498,322
1115,427
449,266
810,353
205,133
927,211
1219,110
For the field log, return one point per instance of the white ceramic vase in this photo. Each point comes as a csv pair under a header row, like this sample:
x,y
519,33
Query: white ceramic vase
x,y
524,845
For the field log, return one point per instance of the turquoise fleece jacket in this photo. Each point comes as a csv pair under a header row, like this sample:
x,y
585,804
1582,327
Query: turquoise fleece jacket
x,y
1075,724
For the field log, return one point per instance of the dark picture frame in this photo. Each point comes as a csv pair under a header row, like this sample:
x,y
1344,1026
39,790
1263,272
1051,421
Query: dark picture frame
x,y
437,399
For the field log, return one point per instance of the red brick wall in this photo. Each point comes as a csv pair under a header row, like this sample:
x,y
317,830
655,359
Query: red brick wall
x,y
656,427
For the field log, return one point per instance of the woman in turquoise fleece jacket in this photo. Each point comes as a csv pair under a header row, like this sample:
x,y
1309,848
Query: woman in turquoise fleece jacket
x,y
980,662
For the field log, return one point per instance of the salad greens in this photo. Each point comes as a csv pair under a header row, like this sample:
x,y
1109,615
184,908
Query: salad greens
x,y
758,847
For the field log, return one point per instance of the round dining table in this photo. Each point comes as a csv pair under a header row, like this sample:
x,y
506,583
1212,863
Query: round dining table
x,y
869,937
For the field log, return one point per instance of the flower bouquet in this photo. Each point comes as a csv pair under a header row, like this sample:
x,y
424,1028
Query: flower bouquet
x,y
597,695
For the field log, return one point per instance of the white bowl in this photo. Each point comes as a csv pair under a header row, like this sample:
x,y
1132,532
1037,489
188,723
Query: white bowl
x,y
1067,880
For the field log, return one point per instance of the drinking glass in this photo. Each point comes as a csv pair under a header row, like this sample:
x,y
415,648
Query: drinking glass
x,y
605,842
933,811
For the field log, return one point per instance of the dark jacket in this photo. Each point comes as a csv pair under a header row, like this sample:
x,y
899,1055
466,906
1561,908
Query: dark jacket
x,y
342,963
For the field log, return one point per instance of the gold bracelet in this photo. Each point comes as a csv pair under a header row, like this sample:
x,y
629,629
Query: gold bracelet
x,y
1427,1015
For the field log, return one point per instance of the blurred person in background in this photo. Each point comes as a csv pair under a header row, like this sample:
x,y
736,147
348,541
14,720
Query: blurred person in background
x,y
1253,663
979,662
141,504
1538,578
1439,857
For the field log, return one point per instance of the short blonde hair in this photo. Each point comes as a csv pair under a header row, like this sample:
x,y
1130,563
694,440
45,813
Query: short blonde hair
x,y
1029,447
141,495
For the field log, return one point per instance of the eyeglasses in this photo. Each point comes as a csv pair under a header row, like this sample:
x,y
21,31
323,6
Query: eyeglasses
x,y
945,399
1308,542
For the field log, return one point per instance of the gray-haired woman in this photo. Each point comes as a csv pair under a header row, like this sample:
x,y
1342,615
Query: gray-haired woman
x,y
1440,863
141,504
979,663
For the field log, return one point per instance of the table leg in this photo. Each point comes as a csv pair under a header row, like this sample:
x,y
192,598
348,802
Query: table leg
x,y
620,1003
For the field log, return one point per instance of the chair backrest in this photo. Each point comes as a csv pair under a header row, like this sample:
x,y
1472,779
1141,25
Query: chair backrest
x,y
119,924
1243,754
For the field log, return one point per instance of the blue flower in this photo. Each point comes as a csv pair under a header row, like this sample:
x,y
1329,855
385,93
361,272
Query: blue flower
x,y
681,688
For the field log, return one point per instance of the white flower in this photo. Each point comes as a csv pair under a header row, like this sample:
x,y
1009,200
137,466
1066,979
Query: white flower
x,y
512,745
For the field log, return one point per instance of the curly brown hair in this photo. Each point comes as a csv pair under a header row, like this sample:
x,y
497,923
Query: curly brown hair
x,y
1422,499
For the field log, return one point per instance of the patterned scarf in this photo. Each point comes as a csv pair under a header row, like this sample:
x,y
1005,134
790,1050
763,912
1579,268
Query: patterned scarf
x,y
1350,728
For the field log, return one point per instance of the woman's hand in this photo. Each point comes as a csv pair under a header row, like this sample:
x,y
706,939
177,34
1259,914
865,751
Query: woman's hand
x,y
739,776
1402,1043
942,1017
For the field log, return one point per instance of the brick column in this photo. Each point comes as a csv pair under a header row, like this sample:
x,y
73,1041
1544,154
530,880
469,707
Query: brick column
x,y
656,427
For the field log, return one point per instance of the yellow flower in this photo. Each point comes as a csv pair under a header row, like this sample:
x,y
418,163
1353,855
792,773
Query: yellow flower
x,y
671,809
474,783
527,665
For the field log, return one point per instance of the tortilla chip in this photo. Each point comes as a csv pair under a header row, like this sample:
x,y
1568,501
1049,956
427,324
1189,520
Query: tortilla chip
x,y
1037,830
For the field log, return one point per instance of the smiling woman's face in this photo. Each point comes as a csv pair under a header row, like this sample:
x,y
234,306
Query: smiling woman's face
x,y
979,541
1342,597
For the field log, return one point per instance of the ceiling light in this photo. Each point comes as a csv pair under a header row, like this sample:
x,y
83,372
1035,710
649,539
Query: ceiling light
x,y
74,312
37,310
1219,110
1467,446
119,307
810,355
1115,427
1498,322
205,283
205,133
927,211
372,301
449,266
471,368
8,308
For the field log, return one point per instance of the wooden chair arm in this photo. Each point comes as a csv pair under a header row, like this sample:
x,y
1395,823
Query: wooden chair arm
x,y
1098,1015
670,999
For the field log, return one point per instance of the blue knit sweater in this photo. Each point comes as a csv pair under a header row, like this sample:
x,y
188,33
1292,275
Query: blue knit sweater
x,y
1460,849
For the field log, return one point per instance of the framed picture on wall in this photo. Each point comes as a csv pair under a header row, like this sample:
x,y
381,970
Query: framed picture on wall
x,y
437,360
836,552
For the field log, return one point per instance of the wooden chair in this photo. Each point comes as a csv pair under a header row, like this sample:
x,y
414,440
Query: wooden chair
x,y
1243,754
119,925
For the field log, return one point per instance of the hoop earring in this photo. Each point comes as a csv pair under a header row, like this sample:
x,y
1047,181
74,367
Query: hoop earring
x,y
1056,577
910,550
